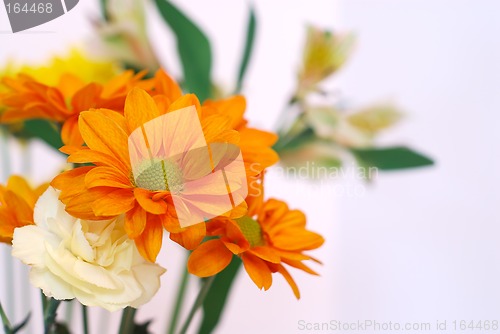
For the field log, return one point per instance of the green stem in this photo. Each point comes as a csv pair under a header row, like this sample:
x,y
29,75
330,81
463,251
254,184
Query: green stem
x,y
207,283
127,324
44,300
68,311
4,151
49,315
8,265
85,319
179,300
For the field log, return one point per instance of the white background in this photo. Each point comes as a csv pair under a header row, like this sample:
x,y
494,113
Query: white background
x,y
417,246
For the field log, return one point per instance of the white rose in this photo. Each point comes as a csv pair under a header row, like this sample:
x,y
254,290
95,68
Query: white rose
x,y
92,261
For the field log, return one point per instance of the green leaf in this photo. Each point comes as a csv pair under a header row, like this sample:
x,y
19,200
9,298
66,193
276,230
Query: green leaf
x,y
60,328
5,321
143,328
214,303
193,47
391,158
42,129
291,143
252,23
104,10
17,328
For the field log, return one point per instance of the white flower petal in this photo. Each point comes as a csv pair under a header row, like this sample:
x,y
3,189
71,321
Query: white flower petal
x,y
93,261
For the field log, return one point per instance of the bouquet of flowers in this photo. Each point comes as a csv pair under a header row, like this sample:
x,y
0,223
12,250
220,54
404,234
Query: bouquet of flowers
x,y
149,158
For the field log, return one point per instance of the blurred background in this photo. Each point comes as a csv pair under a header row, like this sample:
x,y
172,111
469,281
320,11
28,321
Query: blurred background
x,y
417,246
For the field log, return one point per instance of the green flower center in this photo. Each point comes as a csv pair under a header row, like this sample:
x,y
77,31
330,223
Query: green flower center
x,y
251,230
160,175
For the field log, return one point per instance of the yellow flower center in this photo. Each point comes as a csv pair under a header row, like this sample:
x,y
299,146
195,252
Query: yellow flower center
x,y
251,230
160,175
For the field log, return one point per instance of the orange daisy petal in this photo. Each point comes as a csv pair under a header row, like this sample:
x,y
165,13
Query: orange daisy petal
x,y
186,101
23,211
209,259
80,205
257,270
162,103
86,97
103,134
19,185
135,222
71,182
165,85
149,242
233,107
70,134
114,203
266,253
140,108
191,237
292,255
98,158
300,265
106,177
144,197
290,281
115,116
297,240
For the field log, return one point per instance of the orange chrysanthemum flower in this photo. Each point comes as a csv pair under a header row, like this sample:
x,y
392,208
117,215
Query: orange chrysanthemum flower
x,y
27,98
277,237
112,187
109,189
17,202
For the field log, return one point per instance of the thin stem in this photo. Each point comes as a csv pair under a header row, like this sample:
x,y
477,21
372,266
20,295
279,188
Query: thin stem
x,y
4,151
207,283
85,320
127,324
68,311
283,116
44,300
179,300
50,313
8,266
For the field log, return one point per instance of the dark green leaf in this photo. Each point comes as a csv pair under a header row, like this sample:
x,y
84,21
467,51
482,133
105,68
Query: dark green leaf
x,y
142,328
5,321
193,47
391,158
214,303
252,23
21,325
41,129
286,144
60,328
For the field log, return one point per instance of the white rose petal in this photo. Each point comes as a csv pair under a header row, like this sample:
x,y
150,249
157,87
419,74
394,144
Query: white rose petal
x,y
93,261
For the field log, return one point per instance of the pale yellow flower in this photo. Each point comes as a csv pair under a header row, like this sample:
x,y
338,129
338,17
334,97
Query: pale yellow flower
x,y
92,261
324,53
374,118
123,36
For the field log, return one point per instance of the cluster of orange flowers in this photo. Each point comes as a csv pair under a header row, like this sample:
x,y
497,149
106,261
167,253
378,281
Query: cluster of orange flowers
x,y
96,121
